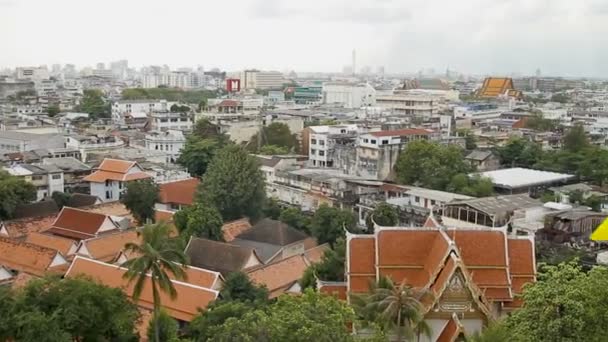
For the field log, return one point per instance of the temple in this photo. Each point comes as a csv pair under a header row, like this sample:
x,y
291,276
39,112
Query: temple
x,y
494,87
473,275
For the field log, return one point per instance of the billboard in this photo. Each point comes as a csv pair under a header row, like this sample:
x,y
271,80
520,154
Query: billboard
x,y
233,85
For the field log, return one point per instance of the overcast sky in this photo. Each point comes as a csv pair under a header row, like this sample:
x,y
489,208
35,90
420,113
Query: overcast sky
x,y
562,37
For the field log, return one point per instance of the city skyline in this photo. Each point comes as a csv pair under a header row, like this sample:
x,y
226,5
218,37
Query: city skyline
x,y
475,37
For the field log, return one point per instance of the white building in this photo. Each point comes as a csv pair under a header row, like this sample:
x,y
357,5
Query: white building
x,y
32,73
87,144
170,141
163,121
46,178
256,79
322,140
350,95
123,107
12,141
417,102
109,180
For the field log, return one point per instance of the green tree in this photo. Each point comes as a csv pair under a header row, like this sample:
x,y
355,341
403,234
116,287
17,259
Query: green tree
x,y
234,183
199,220
495,332
160,259
271,208
13,192
278,134
330,268
328,224
140,198
575,140
539,123
206,324
179,109
197,154
519,152
560,97
384,215
53,110
294,217
475,186
168,328
270,150
93,102
310,317
61,198
238,287
205,129
396,308
440,163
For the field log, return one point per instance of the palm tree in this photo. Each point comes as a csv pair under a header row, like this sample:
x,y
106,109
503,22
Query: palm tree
x,y
159,258
397,308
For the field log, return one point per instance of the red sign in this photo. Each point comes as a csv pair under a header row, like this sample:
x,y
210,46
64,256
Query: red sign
x,y
233,85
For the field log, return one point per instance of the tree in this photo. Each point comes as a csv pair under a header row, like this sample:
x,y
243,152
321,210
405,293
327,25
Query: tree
x,y
55,309
384,215
330,268
93,102
53,110
238,287
328,224
519,152
13,192
439,162
270,150
565,304
277,135
395,307
205,325
234,183
295,218
309,317
160,259
575,139
205,129
495,332
199,220
61,198
271,208
168,328
175,108
475,186
140,198
539,123
560,97
197,154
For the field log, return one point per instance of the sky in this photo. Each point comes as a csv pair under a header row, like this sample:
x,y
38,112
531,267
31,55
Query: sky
x,y
561,37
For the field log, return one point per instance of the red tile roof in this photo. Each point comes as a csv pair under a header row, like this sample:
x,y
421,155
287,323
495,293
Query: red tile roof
x,y
117,170
279,276
452,330
107,246
19,228
179,192
402,132
234,228
80,224
63,245
28,258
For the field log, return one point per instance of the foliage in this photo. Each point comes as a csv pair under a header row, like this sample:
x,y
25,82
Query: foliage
x,y
179,109
328,224
575,139
475,186
168,328
295,218
205,129
440,163
234,183
204,326
330,268
13,192
384,215
561,98
565,304
328,122
519,152
94,103
53,110
396,308
60,198
547,196
160,258
238,287
495,332
199,220
552,253
469,139
196,155
539,123
277,135
310,317
140,198
54,309
270,150
271,208
169,94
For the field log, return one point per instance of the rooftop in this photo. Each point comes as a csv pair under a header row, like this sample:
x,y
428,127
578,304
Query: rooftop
x,y
499,205
402,132
519,177
179,192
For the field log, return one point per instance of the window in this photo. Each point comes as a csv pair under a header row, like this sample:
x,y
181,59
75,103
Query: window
x,y
417,199
384,142
366,140
108,195
313,151
432,202
36,177
56,176
107,182
313,141
342,131
373,141
321,153
322,142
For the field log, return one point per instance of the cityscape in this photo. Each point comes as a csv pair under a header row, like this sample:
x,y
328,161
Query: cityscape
x,y
326,193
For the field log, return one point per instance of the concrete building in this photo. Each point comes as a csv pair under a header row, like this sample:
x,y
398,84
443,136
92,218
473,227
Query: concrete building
x,y
323,141
46,178
32,73
88,144
109,180
170,141
74,172
256,79
163,121
123,107
12,141
417,102
350,95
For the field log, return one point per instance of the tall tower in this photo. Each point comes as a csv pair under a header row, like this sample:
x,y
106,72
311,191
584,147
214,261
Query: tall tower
x,y
354,62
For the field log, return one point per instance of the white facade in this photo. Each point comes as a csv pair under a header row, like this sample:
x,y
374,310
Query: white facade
x,y
417,102
110,190
163,121
32,73
255,79
46,179
349,94
321,141
171,142
120,108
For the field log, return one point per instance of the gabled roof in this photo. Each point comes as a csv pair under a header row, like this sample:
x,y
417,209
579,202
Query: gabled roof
x,y
190,297
29,258
117,170
233,228
452,330
21,227
106,246
272,232
178,192
495,86
63,245
80,224
281,275
219,256
42,208
479,155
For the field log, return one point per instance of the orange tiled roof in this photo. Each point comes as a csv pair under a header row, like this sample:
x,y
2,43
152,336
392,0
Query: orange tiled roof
x,y
163,215
80,224
179,192
190,297
116,165
315,254
234,228
21,227
105,247
495,86
337,289
29,258
521,267
62,245
117,170
279,276
452,330
202,277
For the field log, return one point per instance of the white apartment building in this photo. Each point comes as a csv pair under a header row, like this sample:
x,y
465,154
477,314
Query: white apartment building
x,y
122,107
163,121
173,79
350,95
46,178
479,111
170,141
86,144
322,140
417,102
256,79
109,180
32,73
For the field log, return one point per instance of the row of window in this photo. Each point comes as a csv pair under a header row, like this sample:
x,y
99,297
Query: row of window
x,y
314,152
373,141
314,142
